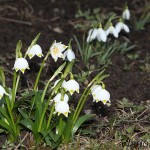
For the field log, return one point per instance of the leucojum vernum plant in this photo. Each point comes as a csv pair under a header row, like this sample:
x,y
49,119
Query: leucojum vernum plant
x,y
49,118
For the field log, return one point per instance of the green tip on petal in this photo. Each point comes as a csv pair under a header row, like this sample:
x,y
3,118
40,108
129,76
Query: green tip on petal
x,y
66,114
71,92
30,56
16,69
104,101
23,70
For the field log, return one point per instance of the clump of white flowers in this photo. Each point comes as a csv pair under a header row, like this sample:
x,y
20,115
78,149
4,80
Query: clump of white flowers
x,y
21,64
2,92
101,34
61,103
100,94
35,50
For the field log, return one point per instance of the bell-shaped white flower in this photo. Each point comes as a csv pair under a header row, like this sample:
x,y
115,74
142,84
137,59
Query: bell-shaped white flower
x,y
126,14
21,64
92,35
62,107
112,30
71,86
2,92
69,54
121,26
101,35
103,96
57,98
56,50
35,50
95,89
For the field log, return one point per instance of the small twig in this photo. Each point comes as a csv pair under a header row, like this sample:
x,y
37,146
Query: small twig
x,y
16,21
141,113
21,141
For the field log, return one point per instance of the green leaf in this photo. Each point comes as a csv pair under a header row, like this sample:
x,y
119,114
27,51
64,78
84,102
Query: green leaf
x,y
4,113
27,118
6,126
2,76
58,71
18,49
26,123
80,121
35,40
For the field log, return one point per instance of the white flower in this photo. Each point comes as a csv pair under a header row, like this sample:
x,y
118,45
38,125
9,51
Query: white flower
x,y
56,50
71,86
92,35
57,98
112,30
103,96
126,14
2,92
21,64
69,54
120,25
35,50
62,108
101,35
95,89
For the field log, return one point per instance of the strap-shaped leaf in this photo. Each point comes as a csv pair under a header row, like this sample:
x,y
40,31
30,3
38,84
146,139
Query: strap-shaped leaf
x,y
80,121
6,126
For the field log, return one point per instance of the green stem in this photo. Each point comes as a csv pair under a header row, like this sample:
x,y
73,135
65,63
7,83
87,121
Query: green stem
x,y
60,126
41,68
85,95
80,107
43,114
50,116
11,116
13,89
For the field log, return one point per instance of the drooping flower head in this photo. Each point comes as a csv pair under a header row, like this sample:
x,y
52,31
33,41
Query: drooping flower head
x,y
101,34
62,107
112,30
69,54
56,50
57,98
71,86
35,50
121,26
95,89
100,94
21,64
126,14
92,34
2,92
